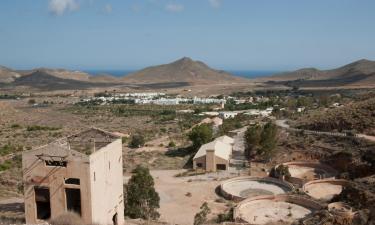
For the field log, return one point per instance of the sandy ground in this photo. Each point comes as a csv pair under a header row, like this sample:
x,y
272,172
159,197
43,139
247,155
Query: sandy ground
x,y
268,211
324,191
248,188
303,172
158,144
178,208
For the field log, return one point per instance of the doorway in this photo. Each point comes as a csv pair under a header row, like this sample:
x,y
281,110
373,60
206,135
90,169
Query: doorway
x,y
221,166
73,200
43,203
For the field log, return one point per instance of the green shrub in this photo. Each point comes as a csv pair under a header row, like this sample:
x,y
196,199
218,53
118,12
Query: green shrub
x,y
43,128
8,149
5,165
280,171
142,201
261,140
225,217
125,139
137,141
31,101
200,135
171,144
201,217
15,162
15,126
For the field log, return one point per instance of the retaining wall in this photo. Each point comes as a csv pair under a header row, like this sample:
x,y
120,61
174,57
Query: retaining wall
x,y
225,193
294,199
330,172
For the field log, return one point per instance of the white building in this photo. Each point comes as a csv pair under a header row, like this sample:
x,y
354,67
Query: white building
x,y
227,115
214,155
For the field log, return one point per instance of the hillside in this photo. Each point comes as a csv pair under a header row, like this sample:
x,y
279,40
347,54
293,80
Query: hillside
x,y
359,116
45,81
7,75
103,78
61,73
358,73
183,70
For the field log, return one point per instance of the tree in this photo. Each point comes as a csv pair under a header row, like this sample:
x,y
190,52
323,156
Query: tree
x,y
137,141
201,217
142,199
252,140
268,140
231,124
260,140
200,135
31,101
280,171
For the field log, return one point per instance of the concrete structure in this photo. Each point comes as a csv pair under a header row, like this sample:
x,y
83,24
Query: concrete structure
x,y
240,188
303,172
325,189
227,115
214,156
80,173
343,213
270,209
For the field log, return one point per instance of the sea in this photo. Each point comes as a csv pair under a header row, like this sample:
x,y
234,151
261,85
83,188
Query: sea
x,y
240,73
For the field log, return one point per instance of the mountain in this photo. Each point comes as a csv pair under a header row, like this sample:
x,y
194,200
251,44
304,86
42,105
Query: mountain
x,y
40,79
7,75
61,73
183,70
358,73
103,78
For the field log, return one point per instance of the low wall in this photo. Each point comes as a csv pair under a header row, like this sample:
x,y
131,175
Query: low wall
x,y
295,199
324,133
340,209
226,193
330,172
341,182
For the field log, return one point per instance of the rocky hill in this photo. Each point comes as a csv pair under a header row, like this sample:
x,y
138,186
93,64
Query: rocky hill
x,y
45,81
183,70
359,116
359,73
7,75
61,73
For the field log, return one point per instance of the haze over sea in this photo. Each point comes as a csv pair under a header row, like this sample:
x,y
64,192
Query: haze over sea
x,y
240,73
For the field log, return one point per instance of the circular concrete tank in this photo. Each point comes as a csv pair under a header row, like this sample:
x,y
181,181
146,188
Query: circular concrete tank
x,y
302,172
273,209
240,188
325,189
342,211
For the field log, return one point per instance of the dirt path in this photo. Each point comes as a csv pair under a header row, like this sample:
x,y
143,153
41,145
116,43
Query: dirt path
x,y
176,207
283,124
367,137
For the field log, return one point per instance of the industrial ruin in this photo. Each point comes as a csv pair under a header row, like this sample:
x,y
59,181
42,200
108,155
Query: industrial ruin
x,y
81,173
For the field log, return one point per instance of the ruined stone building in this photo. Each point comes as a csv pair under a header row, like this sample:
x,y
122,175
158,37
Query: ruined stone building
x,y
81,173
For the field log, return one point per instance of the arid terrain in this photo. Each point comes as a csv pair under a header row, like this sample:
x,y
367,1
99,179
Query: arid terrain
x,y
333,127
28,122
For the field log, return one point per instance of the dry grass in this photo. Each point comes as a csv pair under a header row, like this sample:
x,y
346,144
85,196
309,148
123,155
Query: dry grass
x,y
357,116
68,218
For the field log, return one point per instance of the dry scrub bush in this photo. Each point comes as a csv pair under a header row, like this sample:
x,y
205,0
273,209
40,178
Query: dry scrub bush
x,y
68,218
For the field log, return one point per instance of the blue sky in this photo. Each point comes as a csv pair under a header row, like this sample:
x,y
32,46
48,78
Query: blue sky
x,y
226,34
